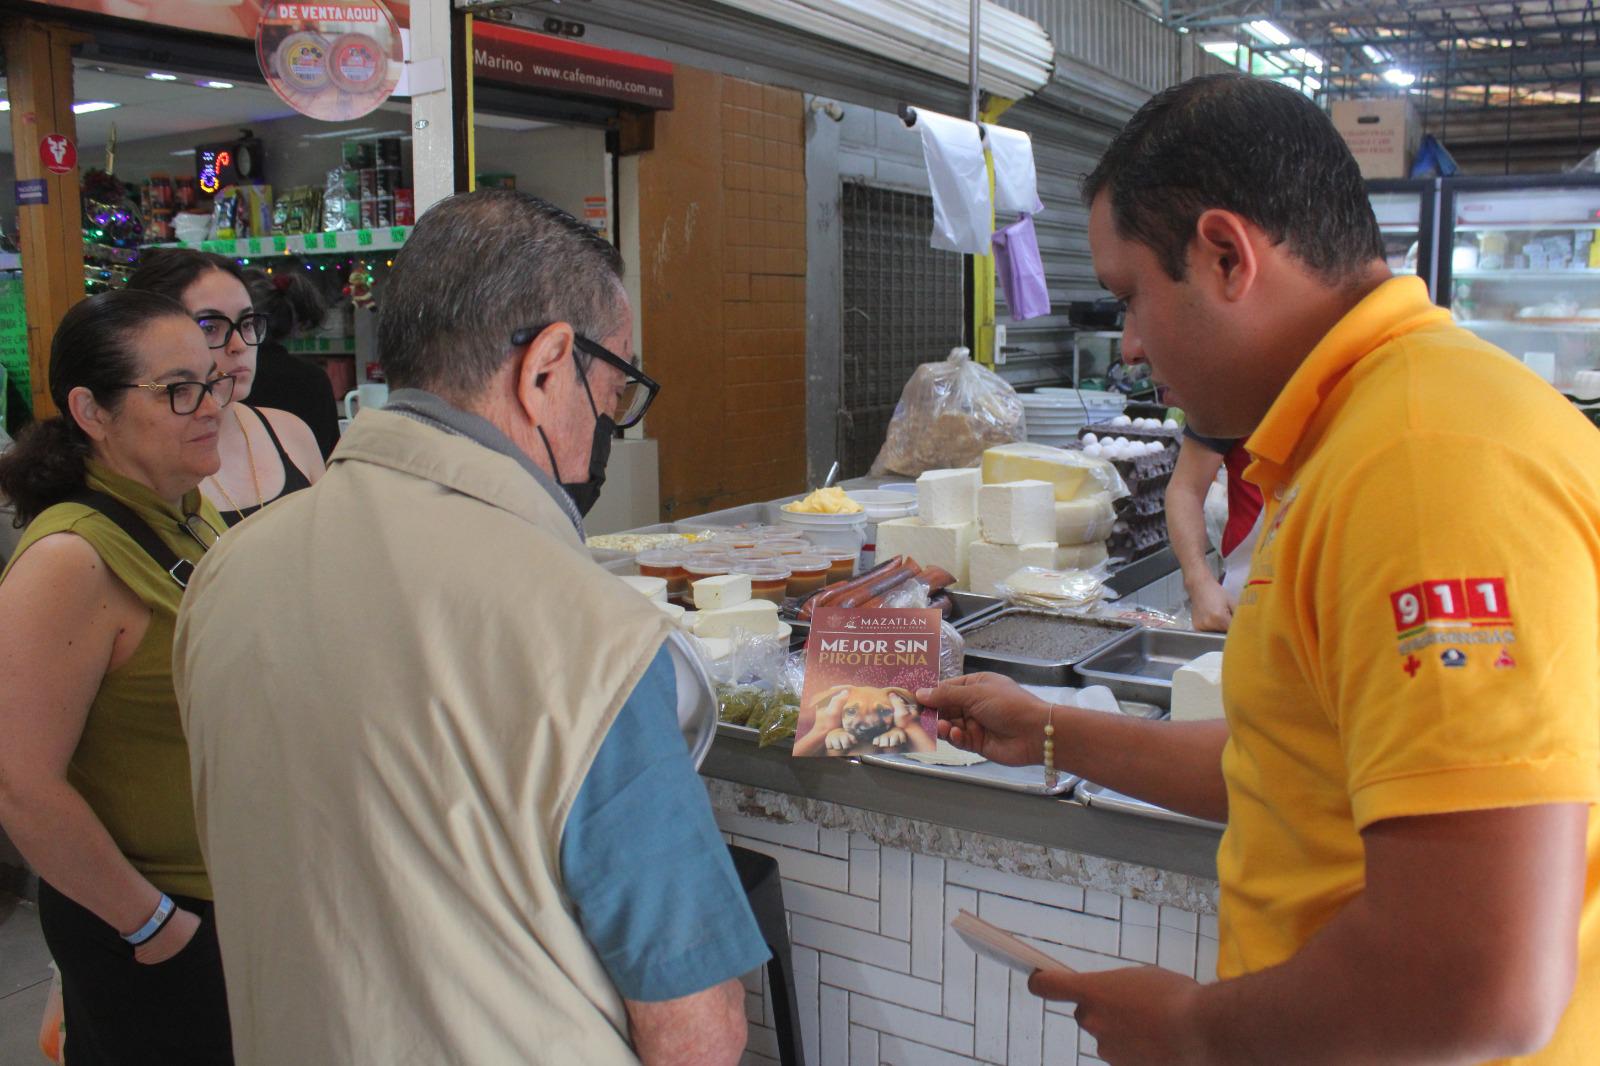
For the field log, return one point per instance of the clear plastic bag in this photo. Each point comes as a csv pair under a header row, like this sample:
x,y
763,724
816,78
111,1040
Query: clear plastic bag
x,y
952,646
1056,591
758,687
948,413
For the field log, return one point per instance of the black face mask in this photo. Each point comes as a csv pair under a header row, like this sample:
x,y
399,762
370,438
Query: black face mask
x,y
586,493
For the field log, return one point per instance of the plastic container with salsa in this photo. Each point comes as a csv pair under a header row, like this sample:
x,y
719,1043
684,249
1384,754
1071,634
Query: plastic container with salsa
x,y
668,564
768,581
789,546
841,564
807,573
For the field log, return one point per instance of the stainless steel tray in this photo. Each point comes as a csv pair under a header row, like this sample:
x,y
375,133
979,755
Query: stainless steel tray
x,y
1105,799
1025,668
1026,779
1139,665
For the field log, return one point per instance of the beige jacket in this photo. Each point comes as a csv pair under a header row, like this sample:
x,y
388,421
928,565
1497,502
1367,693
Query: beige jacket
x,y
393,684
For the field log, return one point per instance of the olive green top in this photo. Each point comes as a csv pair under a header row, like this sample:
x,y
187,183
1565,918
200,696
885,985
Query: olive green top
x,y
131,764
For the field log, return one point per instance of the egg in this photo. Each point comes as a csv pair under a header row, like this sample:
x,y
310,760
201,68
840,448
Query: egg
x,y
1093,449
1122,442
1091,438
1171,423
1121,420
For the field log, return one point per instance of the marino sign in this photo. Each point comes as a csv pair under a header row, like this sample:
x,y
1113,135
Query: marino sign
x,y
518,57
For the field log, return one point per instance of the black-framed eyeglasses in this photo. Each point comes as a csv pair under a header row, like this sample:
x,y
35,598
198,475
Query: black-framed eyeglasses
x,y
219,329
638,392
185,396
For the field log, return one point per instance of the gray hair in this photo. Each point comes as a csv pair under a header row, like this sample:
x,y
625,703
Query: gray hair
x,y
478,267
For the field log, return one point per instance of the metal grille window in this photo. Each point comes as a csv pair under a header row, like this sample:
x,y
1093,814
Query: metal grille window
x,y
903,305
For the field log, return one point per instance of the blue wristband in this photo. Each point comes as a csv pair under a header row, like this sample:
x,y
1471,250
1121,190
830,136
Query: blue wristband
x,y
149,929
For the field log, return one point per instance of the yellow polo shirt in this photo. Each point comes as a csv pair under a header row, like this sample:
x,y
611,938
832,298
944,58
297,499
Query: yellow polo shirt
x,y
1420,633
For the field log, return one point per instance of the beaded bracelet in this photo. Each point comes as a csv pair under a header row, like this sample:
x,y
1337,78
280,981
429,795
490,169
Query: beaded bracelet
x,y
1050,776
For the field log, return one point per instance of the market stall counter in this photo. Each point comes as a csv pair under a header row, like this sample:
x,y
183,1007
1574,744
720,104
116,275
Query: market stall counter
x,y
876,861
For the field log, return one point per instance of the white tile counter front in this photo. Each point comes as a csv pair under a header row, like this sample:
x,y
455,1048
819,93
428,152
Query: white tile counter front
x,y
883,981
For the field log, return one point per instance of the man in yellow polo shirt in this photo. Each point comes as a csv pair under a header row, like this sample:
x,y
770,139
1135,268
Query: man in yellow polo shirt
x,y
1411,871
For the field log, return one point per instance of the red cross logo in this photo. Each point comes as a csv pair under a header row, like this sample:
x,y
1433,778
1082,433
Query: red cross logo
x,y
1412,665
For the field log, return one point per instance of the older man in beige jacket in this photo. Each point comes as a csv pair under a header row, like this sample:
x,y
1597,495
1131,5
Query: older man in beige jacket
x,y
447,811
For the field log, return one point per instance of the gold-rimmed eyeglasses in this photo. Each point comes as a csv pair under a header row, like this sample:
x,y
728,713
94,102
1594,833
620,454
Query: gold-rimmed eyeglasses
x,y
186,396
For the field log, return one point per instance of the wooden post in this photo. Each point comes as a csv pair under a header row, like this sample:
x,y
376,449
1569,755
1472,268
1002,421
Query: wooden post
x,y
39,85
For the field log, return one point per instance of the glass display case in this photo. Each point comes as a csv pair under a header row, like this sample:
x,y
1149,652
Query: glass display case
x,y
1520,262
1407,214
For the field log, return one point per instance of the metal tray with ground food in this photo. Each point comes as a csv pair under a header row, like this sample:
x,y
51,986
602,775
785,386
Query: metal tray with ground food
x,y
1035,647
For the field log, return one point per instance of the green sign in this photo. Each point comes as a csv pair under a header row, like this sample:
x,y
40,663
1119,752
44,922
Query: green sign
x,y
330,240
397,234
14,337
255,246
363,236
280,244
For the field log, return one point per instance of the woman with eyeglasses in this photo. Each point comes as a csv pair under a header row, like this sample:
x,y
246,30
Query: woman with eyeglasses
x,y
266,453
94,770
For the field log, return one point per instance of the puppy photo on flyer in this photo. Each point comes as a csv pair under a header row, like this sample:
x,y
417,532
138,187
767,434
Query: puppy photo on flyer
x,y
863,668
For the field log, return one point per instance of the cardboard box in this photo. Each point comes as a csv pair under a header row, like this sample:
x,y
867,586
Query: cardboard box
x,y
1382,134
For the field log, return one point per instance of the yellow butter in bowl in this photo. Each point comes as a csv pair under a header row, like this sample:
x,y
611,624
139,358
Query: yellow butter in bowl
x,y
824,501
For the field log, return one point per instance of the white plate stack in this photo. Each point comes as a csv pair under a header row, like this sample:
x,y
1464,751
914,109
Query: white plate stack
x,y
1055,415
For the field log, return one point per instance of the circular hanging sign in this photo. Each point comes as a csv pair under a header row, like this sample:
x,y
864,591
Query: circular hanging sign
x,y
332,61
57,152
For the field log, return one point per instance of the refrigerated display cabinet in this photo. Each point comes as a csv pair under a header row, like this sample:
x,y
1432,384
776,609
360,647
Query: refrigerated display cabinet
x,y
1408,218
1519,263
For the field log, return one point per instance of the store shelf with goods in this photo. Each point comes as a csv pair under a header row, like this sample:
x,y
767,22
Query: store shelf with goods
x,y
1526,275
378,239
1545,325
1524,227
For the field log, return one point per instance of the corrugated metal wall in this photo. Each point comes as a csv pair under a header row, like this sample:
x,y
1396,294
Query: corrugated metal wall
x,y
1110,57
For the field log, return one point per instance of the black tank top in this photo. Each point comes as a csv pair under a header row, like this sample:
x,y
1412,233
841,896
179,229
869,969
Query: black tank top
x,y
293,478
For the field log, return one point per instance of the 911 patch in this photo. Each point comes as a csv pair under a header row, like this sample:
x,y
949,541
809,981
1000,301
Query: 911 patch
x,y
1452,611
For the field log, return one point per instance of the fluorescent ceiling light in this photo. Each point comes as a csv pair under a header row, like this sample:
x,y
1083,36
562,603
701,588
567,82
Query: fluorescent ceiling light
x,y
89,107
155,75
5,105
1221,48
216,85
326,134
1267,31
1309,58
1396,76
1377,55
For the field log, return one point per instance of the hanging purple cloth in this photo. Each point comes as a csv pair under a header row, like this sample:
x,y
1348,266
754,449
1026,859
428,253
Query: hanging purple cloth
x,y
1016,260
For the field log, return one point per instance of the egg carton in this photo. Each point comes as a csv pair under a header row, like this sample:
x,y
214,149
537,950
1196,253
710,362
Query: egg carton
x,y
1147,475
1138,535
1164,434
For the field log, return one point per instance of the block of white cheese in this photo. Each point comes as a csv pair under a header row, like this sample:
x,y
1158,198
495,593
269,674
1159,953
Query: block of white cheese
x,y
990,564
1086,520
673,612
1017,512
949,497
688,620
723,590
1080,556
1072,473
716,647
930,545
1197,689
651,588
756,617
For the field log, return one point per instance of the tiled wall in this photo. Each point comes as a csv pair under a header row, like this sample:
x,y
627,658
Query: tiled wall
x,y
764,290
722,292
882,979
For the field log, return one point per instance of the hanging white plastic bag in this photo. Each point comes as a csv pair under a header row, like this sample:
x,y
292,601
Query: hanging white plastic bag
x,y
1016,182
959,178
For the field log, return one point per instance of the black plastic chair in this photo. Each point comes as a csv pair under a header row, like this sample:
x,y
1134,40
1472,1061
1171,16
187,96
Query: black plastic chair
x,y
763,886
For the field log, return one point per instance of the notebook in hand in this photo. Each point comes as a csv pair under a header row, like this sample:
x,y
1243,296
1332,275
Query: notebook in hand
x,y
994,942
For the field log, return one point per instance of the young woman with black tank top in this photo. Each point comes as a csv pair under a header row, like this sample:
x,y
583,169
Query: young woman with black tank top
x,y
266,453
